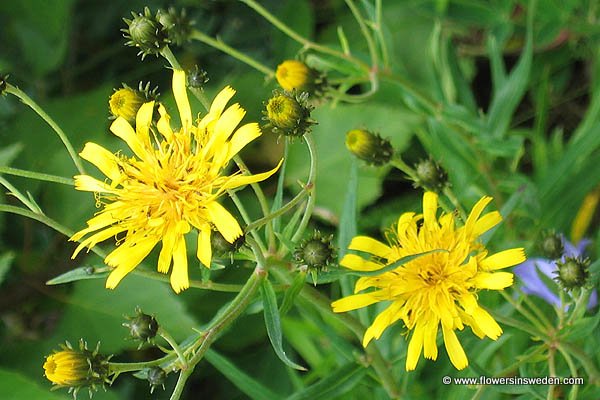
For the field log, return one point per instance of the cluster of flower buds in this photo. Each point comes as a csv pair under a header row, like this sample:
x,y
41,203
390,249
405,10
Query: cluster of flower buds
x,y
151,33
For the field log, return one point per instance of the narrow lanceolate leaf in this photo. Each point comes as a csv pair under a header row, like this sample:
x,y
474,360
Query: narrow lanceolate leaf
x,y
336,384
78,274
273,324
244,382
292,292
331,276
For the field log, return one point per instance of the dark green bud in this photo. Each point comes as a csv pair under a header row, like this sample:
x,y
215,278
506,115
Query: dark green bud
x,y
156,377
197,78
551,245
430,176
573,273
316,253
176,25
145,33
142,327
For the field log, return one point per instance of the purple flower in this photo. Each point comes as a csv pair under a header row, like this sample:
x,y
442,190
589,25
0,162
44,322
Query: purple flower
x,y
529,274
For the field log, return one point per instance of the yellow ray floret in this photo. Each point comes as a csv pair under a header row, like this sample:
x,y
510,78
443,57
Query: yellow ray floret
x,y
169,186
436,290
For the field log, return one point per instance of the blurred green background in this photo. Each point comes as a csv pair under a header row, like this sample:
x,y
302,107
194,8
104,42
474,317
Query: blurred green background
x,y
69,55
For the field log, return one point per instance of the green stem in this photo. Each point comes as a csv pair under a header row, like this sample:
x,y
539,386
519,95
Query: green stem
x,y
573,369
183,377
552,372
580,306
260,195
454,200
208,285
538,313
22,198
242,209
531,318
36,175
290,205
299,38
379,32
313,298
197,92
584,359
165,335
219,45
519,325
61,134
365,32
312,176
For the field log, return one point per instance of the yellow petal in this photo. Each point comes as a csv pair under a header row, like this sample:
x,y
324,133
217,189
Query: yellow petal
x,y
103,159
181,98
493,280
122,129
126,257
241,138
223,221
453,347
179,275
430,350
143,120
371,246
430,206
88,184
242,180
364,282
475,213
204,251
404,222
487,323
353,302
220,101
357,263
380,324
487,222
166,252
503,259
414,348
164,124
98,237
227,123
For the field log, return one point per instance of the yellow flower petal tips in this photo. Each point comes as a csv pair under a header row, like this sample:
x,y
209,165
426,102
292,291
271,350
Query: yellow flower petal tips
x,y
435,290
168,187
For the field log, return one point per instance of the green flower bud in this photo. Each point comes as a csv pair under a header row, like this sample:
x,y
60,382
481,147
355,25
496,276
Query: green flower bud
x,y
196,78
145,33
156,377
142,327
315,253
551,245
288,114
176,25
430,176
369,147
573,273
294,75
77,369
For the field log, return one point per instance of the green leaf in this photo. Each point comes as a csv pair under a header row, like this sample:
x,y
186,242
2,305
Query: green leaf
x,y
15,386
9,153
248,385
278,200
507,98
292,292
347,228
78,274
338,383
273,323
582,328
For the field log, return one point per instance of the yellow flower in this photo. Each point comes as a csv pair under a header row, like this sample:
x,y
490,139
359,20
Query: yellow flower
x,y
437,289
168,187
293,74
77,368
125,103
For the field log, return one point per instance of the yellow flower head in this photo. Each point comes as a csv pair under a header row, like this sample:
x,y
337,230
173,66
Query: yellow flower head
x,y
125,103
293,74
169,186
77,368
437,289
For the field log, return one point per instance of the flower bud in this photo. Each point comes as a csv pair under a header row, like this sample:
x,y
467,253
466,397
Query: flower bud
x,y
551,245
142,327
196,78
125,102
176,25
573,272
430,176
296,75
222,247
369,147
156,377
77,369
315,253
145,33
289,114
